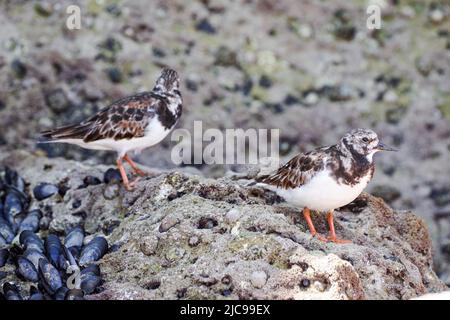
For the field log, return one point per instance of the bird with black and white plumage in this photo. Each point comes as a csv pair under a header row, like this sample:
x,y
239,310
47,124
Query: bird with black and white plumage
x,y
327,178
130,124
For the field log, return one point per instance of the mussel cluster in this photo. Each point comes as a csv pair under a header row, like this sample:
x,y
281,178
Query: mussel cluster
x,y
60,270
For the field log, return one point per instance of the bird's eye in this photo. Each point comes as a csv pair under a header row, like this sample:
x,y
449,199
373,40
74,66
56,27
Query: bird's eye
x,y
365,139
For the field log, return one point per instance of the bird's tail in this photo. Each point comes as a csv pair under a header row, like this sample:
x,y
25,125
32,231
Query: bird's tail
x,y
66,132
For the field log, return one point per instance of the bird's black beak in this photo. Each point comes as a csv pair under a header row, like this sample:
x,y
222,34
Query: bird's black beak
x,y
383,147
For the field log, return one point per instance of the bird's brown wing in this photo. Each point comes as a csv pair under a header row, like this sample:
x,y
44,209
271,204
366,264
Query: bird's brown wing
x,y
297,171
124,119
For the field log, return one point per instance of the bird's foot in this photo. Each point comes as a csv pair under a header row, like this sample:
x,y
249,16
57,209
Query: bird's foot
x,y
320,237
140,172
338,241
130,185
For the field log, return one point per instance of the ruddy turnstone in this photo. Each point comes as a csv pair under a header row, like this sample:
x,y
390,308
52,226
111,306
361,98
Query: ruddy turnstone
x,y
328,177
129,124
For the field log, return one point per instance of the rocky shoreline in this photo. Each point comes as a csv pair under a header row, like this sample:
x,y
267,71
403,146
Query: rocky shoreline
x,y
184,236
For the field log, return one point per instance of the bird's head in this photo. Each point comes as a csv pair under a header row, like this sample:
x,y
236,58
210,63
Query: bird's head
x,y
168,82
363,142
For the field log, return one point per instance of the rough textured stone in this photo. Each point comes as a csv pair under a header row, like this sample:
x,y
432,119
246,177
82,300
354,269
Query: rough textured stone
x,y
265,252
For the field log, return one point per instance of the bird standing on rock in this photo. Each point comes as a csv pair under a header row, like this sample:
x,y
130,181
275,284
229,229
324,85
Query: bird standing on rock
x,y
327,178
129,124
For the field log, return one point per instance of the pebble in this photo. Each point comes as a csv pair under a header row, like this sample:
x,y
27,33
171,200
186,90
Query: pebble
x,y
111,191
19,68
114,74
319,286
233,215
258,279
57,100
148,245
175,254
168,222
390,96
311,98
205,26
193,241
436,16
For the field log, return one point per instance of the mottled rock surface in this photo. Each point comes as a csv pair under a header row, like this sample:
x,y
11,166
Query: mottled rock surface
x,y
183,236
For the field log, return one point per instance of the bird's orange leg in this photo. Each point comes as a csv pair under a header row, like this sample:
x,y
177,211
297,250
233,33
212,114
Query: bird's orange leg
x,y
126,183
332,237
307,215
134,166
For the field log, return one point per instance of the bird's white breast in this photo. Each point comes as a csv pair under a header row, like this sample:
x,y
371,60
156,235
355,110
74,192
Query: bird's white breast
x,y
323,193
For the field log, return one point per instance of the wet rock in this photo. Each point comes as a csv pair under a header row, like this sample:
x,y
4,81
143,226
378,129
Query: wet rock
x,y
440,196
343,27
114,74
19,68
265,81
44,8
205,26
387,193
57,100
226,57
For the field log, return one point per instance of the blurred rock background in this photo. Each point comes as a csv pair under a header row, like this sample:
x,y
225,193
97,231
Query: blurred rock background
x,y
310,68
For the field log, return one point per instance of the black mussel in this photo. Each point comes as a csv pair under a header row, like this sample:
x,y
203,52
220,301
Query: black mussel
x,y
31,221
74,294
75,251
93,251
26,270
11,291
53,248
74,238
112,176
89,282
44,190
60,294
29,240
49,277
3,242
12,178
92,269
67,259
13,207
91,181
3,275
6,231
4,254
36,294
34,256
